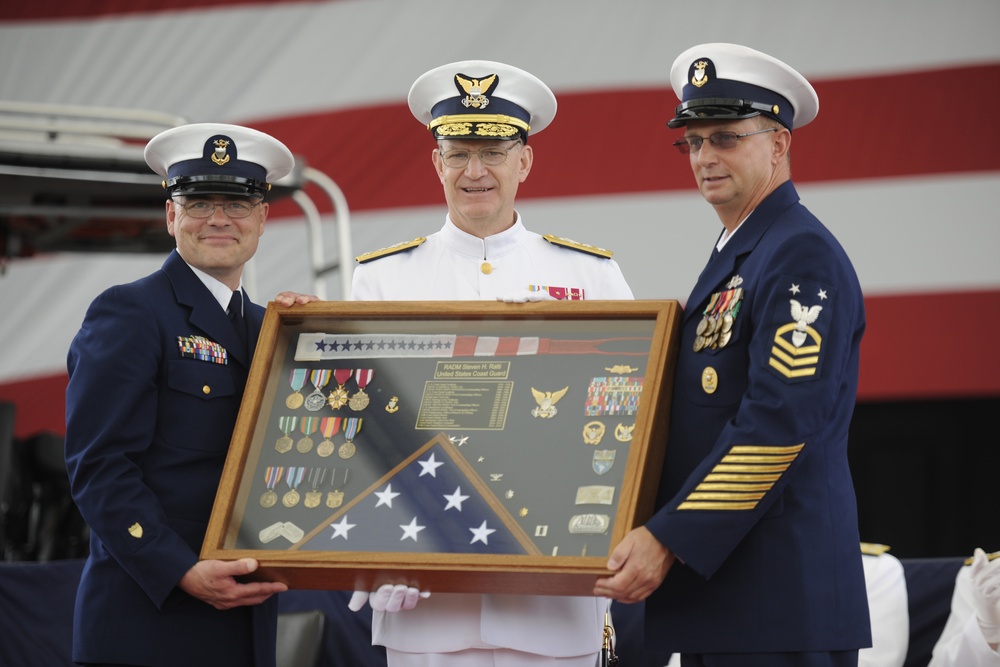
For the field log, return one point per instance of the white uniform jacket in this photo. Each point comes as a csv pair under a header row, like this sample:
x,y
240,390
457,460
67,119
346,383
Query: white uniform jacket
x,y
449,266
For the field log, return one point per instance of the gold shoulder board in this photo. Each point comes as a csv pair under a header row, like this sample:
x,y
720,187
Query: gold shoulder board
x,y
576,245
991,557
872,549
391,250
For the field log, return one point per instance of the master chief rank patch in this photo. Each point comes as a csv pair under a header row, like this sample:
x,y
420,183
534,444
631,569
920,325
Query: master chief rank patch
x,y
800,324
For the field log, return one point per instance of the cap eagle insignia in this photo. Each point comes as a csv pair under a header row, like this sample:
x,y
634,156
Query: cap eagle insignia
x,y
547,402
476,90
219,156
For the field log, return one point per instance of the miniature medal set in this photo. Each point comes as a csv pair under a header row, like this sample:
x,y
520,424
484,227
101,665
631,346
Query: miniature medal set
x,y
397,439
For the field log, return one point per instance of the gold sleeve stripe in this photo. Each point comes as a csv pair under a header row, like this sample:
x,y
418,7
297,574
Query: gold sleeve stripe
x,y
687,505
725,467
740,477
745,473
731,458
725,496
761,449
714,486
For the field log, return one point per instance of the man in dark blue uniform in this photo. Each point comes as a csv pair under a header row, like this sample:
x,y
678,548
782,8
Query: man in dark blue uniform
x,y
752,558
157,372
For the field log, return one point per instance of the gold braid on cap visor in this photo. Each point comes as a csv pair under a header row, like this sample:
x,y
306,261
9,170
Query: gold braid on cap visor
x,y
492,125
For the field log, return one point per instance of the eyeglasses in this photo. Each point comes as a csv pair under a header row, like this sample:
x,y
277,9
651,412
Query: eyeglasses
x,y
200,208
491,156
723,140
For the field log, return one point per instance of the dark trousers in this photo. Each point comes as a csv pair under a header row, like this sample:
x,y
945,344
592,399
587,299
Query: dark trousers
x,y
807,659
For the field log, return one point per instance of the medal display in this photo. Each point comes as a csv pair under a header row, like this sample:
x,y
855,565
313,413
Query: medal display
x,y
376,446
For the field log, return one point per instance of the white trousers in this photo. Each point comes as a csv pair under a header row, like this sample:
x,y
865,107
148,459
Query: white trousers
x,y
498,657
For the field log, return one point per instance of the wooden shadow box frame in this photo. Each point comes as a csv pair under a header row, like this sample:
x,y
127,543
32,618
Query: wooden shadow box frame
x,y
454,446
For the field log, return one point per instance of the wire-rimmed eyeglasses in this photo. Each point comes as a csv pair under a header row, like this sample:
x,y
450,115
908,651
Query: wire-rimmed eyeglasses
x,y
490,156
723,140
234,208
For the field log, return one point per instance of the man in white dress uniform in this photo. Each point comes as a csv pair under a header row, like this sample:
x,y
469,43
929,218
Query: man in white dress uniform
x,y
481,114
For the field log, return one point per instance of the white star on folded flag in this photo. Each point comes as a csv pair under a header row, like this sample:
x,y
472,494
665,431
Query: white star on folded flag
x,y
455,499
385,497
480,534
430,466
340,529
410,530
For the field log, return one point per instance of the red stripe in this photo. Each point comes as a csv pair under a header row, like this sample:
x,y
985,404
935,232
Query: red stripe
x,y
508,346
615,142
465,346
45,10
931,346
919,346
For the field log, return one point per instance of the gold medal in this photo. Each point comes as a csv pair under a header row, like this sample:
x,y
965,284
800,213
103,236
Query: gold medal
x,y
335,498
293,477
315,497
308,426
346,450
702,326
360,399
284,444
286,424
271,477
297,380
338,397
325,448
699,343
724,338
352,426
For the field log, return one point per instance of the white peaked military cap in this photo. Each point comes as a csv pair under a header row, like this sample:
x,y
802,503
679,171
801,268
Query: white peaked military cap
x,y
481,99
214,158
729,81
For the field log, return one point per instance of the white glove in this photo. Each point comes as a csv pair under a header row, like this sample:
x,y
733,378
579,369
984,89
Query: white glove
x,y
388,598
985,578
526,295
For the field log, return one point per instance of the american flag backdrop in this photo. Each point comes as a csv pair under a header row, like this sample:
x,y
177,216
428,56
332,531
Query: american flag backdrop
x,y
896,164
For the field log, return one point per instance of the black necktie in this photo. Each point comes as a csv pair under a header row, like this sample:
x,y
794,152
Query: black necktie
x,y
236,316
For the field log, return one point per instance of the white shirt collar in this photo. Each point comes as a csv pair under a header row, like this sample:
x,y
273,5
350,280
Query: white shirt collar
x,y
466,244
219,290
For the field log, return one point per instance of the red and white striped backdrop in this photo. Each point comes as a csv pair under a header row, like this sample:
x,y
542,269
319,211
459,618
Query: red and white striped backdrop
x,y
903,163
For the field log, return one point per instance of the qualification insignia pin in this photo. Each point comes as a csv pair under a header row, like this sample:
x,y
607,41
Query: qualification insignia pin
x,y
623,433
603,460
393,405
593,432
546,402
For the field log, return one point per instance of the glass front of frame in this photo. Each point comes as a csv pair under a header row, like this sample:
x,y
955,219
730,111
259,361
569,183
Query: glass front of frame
x,y
499,437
